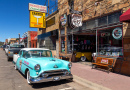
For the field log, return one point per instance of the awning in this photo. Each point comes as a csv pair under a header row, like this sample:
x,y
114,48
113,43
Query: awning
x,y
42,36
125,17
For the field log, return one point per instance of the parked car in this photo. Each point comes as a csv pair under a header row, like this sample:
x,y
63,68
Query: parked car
x,y
14,49
4,46
39,65
6,49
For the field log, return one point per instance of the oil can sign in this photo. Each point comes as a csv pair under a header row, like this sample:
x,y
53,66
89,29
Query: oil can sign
x,y
117,33
76,20
63,20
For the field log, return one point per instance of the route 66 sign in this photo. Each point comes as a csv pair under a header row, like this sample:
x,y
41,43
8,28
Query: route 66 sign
x,y
76,20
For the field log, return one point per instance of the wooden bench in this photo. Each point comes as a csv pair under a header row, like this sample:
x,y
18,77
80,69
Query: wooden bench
x,y
105,62
61,56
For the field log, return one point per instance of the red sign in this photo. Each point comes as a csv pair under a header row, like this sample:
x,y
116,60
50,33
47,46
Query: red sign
x,y
105,61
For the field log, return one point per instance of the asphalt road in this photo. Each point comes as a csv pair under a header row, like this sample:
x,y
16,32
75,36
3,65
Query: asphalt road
x,y
11,79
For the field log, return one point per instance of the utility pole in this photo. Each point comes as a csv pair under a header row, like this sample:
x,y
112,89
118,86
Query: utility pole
x,y
48,7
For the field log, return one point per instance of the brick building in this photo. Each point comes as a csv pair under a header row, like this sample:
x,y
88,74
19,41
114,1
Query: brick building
x,y
32,39
101,28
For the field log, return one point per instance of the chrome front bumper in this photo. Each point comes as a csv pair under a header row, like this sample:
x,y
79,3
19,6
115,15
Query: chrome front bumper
x,y
54,78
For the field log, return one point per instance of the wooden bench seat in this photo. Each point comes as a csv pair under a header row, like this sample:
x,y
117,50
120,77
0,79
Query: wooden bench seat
x,y
105,62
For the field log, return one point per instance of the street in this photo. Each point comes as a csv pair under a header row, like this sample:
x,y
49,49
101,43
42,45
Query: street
x,y
11,79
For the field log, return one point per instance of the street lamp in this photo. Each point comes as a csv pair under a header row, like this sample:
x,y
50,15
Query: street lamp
x,y
19,38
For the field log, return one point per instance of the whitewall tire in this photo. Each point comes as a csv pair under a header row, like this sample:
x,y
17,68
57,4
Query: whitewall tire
x,y
83,58
15,67
28,77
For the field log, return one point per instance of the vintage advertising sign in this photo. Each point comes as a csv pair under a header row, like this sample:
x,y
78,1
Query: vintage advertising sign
x,y
63,20
76,20
117,33
39,8
105,61
37,19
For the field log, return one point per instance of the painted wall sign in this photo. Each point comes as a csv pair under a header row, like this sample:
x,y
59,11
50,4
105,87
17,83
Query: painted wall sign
x,y
39,8
63,20
37,19
117,33
76,20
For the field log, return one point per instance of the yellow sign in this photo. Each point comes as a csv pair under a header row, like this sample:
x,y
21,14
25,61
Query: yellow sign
x,y
37,19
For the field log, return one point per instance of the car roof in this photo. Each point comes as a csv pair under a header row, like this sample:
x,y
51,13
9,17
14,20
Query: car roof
x,y
27,49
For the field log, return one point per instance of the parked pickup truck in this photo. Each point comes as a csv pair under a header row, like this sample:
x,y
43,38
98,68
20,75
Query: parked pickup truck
x,y
14,49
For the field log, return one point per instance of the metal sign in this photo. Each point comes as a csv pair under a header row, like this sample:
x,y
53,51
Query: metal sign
x,y
39,8
50,22
76,20
63,20
37,19
117,33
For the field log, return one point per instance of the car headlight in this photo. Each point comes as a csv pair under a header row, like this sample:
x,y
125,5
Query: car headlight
x,y
70,65
37,67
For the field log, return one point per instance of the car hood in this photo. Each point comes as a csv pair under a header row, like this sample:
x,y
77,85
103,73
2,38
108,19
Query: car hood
x,y
49,63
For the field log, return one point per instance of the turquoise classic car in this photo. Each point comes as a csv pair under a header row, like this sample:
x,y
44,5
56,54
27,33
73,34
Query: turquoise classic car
x,y
39,66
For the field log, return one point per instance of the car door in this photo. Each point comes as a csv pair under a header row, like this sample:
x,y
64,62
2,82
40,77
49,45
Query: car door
x,y
19,62
25,63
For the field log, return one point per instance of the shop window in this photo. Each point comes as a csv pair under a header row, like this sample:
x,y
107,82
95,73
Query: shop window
x,y
63,44
69,44
62,32
90,24
49,43
110,42
114,18
102,21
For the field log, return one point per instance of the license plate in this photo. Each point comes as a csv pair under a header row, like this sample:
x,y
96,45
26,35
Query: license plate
x,y
56,78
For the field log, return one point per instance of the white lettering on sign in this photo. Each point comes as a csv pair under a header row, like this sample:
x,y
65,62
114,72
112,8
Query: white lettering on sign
x,y
105,61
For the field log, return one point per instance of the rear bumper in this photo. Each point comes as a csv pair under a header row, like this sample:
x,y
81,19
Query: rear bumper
x,y
55,78
10,55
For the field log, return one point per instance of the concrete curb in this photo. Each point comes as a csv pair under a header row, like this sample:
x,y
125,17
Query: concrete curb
x,y
89,83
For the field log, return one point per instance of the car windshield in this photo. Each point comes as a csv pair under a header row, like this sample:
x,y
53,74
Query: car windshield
x,y
38,53
16,46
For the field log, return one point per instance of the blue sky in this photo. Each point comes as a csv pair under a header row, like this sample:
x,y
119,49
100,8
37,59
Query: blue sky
x,y
14,17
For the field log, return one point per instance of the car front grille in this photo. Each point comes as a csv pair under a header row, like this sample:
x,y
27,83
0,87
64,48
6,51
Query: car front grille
x,y
52,73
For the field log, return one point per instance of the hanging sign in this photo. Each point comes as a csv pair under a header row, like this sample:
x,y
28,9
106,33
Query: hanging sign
x,y
39,8
76,20
63,20
37,19
117,33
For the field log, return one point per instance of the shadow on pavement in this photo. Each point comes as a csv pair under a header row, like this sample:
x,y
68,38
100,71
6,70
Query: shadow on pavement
x,y
48,84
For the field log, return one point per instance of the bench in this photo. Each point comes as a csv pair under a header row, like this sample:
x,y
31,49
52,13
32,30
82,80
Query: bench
x,y
61,56
105,62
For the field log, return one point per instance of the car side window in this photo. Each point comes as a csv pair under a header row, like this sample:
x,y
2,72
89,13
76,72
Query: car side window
x,y
26,54
20,53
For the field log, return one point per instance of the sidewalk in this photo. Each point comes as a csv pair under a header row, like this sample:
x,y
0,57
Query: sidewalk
x,y
99,80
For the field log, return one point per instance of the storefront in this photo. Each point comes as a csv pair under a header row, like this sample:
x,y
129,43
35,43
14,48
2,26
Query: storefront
x,y
105,30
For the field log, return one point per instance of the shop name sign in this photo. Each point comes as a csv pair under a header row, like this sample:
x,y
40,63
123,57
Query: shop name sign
x,y
76,20
39,8
37,19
